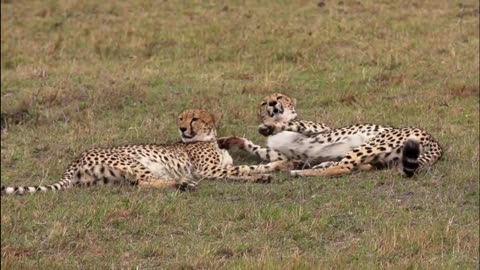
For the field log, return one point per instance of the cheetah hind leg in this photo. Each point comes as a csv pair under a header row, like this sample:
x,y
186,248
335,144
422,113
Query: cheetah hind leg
x,y
324,165
138,174
328,172
328,164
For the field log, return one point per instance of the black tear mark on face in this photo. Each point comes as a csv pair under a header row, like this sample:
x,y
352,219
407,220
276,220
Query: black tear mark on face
x,y
192,131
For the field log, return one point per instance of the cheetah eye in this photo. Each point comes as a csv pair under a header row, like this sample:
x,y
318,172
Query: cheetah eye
x,y
194,119
280,97
180,118
263,103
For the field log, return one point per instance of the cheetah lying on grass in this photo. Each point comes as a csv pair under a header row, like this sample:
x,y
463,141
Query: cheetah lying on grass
x,y
336,151
176,166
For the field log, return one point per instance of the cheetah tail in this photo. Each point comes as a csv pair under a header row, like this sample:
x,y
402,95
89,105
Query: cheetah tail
x,y
8,190
411,152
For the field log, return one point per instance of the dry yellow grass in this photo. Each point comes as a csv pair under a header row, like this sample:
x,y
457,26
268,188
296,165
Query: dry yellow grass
x,y
79,74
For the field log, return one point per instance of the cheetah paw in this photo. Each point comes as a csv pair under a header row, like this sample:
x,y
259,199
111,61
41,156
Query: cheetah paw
x,y
324,165
295,173
263,178
266,129
231,142
285,165
186,185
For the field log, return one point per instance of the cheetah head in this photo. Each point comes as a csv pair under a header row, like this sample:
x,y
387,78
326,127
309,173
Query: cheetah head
x,y
196,125
277,108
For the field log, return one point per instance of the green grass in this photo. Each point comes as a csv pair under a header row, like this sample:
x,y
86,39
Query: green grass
x,y
98,73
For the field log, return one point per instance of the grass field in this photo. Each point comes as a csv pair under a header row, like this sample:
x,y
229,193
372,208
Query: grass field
x,y
79,74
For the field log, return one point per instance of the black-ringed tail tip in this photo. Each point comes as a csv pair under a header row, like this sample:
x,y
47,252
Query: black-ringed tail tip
x,y
411,153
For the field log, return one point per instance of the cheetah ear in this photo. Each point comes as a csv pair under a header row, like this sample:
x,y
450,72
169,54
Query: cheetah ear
x,y
294,101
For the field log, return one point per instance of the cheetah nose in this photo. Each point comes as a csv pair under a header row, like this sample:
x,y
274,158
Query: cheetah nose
x,y
272,103
182,129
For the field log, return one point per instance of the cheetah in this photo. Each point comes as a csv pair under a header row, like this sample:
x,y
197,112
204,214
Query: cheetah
x,y
176,166
336,151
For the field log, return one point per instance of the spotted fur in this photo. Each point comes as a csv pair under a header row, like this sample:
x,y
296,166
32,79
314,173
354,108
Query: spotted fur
x,y
336,151
176,166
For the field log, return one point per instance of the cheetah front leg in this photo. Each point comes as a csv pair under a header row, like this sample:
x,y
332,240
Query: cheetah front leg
x,y
306,128
263,153
233,173
252,178
182,185
276,166
258,173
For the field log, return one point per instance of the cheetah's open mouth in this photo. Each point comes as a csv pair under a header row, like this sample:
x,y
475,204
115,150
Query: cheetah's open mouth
x,y
272,110
186,136
276,110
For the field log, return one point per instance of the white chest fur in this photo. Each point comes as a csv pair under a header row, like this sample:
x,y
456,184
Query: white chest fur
x,y
226,159
295,145
285,141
